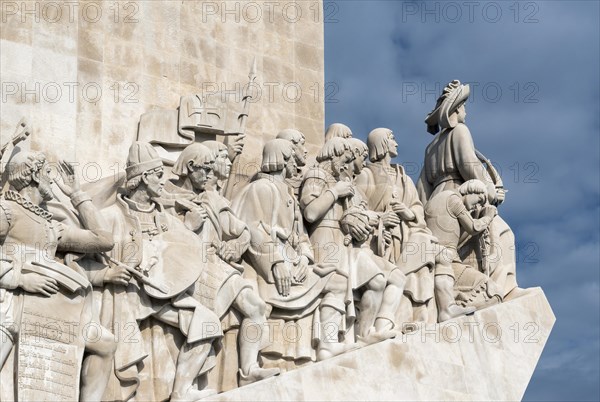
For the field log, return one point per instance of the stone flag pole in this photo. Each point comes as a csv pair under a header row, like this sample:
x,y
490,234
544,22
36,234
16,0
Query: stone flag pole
x,y
176,222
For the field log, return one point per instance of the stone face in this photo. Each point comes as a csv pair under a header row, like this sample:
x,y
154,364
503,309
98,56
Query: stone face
x,y
142,55
490,355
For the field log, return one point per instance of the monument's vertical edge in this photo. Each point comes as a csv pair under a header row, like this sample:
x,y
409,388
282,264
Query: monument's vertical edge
x,y
84,77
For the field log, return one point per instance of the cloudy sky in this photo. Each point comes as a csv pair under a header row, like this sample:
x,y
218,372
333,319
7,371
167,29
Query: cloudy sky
x,y
534,110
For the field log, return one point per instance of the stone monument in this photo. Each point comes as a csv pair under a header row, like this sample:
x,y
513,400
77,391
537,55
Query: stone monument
x,y
210,240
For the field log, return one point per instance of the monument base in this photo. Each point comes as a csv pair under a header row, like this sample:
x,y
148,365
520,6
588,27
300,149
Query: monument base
x,y
490,355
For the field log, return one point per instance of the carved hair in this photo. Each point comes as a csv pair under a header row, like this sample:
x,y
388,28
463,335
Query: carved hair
x,y
22,167
355,143
199,154
332,148
291,135
473,186
338,130
378,143
276,153
215,147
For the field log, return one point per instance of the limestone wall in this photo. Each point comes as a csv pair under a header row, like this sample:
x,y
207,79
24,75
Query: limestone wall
x,y
84,72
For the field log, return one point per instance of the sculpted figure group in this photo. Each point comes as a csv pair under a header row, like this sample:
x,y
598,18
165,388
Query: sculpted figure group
x,y
306,262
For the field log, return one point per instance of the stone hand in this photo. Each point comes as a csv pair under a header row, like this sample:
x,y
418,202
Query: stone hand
x,y
69,183
360,232
500,195
228,252
146,266
195,218
118,276
390,219
373,218
301,270
402,210
235,146
343,189
283,278
489,210
36,283
387,237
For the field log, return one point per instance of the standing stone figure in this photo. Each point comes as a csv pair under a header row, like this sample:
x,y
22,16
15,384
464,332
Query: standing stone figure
x,y
408,244
358,211
296,289
300,152
449,216
225,238
451,160
324,202
30,235
153,242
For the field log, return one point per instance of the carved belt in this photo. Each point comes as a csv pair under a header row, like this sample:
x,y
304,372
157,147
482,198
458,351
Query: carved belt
x,y
330,223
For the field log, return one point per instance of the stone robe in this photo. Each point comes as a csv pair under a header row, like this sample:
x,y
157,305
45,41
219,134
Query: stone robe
x,y
144,352
332,248
450,160
29,233
272,213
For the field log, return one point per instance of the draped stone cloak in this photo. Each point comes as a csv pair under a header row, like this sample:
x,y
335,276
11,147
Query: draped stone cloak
x,y
272,213
124,308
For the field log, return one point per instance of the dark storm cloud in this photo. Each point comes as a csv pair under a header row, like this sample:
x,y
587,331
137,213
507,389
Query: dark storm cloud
x,y
534,110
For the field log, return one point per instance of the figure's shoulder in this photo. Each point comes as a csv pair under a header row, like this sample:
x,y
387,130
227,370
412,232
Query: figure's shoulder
x,y
316,173
115,211
460,131
366,176
216,200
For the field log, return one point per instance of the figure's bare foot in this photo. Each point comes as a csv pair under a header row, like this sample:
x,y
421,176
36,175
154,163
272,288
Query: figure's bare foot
x,y
334,349
453,311
192,395
256,374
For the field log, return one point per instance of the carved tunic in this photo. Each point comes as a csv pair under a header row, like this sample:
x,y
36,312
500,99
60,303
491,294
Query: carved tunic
x,y
327,237
450,160
28,233
133,229
451,223
272,214
219,283
410,248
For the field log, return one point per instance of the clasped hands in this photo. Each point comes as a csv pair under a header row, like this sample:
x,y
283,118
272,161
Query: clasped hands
x,y
285,275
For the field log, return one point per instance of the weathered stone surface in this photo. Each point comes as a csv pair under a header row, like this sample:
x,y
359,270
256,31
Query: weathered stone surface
x,y
142,55
490,355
